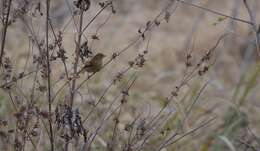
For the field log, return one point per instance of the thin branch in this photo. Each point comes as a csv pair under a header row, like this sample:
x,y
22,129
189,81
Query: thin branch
x,y
5,23
196,99
254,25
16,109
215,12
92,20
48,75
75,67
17,79
165,144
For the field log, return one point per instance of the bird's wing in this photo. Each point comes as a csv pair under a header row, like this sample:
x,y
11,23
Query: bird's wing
x,y
88,64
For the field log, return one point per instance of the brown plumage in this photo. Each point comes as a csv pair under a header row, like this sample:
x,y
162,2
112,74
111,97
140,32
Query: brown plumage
x,y
95,64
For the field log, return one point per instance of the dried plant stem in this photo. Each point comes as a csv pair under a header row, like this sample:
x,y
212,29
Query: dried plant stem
x,y
98,102
169,142
15,80
250,13
102,96
48,75
75,68
114,134
16,109
215,12
150,132
251,23
195,100
113,112
5,23
63,60
98,13
32,95
254,26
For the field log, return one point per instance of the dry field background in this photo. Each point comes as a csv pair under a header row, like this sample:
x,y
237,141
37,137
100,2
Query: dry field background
x,y
231,94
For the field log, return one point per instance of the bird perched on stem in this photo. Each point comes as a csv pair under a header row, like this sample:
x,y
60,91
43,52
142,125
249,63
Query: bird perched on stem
x,y
94,64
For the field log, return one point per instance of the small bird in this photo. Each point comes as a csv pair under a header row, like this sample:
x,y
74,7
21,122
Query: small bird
x,y
95,64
